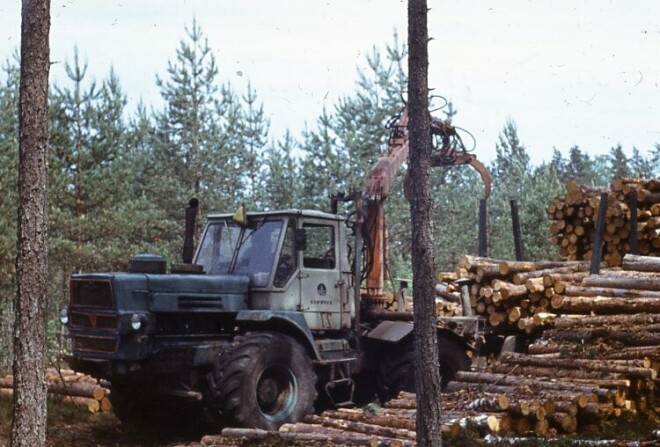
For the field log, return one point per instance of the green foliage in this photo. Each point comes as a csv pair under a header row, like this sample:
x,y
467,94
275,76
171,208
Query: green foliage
x,y
8,175
619,162
512,181
281,184
640,166
254,132
119,181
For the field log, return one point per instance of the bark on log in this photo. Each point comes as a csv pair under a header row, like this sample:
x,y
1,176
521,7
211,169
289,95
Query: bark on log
x,y
361,427
622,282
71,389
497,402
634,352
303,433
581,321
564,421
508,380
603,305
508,290
572,290
629,338
577,364
472,262
641,263
385,420
507,268
550,373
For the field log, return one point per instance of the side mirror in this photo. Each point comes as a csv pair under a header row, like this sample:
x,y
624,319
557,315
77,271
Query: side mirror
x,y
301,239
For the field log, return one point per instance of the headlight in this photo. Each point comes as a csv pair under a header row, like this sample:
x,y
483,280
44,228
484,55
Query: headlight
x,y
64,315
136,322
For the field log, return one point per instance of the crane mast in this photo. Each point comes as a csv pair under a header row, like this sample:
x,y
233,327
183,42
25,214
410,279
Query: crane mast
x,y
377,187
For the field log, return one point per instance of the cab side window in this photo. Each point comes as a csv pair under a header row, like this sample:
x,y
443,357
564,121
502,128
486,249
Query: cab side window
x,y
288,261
320,249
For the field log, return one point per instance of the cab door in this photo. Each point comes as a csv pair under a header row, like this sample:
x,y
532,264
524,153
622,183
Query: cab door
x,y
321,284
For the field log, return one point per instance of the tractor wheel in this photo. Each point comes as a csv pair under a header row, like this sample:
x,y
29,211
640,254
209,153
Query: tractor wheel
x,y
396,372
264,381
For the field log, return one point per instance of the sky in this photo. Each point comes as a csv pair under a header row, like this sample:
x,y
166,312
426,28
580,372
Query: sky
x,y
567,72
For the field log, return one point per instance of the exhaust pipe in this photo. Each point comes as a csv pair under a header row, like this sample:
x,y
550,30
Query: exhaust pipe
x,y
191,217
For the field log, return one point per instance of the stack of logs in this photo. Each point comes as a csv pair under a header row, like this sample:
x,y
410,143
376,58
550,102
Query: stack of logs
x,y
69,387
596,357
393,424
574,220
514,296
597,353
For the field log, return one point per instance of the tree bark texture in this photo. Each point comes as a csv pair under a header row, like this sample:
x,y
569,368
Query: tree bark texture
x,y
427,376
29,405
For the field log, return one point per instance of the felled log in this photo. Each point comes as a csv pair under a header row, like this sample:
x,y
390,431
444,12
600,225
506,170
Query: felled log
x,y
607,320
458,386
634,352
356,415
303,433
512,267
577,364
488,379
550,373
572,290
507,290
361,427
603,305
629,338
622,282
473,262
490,423
564,421
641,263
71,389
495,402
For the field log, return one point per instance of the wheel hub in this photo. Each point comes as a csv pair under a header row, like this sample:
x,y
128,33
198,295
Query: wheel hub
x,y
276,392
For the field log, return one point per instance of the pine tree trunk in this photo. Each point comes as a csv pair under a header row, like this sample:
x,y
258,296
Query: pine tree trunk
x,y
29,416
427,376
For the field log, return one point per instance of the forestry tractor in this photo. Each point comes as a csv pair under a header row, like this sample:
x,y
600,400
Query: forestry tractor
x,y
274,315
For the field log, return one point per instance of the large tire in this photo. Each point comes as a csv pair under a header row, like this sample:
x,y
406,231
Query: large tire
x,y
264,381
396,371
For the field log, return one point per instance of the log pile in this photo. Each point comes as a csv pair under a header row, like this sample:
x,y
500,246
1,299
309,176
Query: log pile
x,y
514,296
574,379
581,321
390,425
574,220
69,387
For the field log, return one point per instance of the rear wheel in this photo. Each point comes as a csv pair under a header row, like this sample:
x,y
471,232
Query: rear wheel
x,y
396,372
266,380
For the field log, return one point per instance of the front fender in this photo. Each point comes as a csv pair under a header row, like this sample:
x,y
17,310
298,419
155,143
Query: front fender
x,y
396,331
286,322
392,331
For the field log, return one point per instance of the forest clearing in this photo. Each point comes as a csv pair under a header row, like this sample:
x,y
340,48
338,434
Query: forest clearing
x,y
190,281
590,371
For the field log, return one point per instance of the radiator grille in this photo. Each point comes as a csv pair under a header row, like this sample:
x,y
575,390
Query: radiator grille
x,y
94,343
86,320
92,293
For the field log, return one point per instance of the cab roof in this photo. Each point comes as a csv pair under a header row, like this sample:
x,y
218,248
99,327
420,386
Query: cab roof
x,y
293,212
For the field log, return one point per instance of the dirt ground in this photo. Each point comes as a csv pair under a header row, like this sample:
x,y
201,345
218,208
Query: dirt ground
x,y
70,426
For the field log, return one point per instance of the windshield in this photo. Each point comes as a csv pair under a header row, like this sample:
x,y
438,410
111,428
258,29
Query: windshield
x,y
229,248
